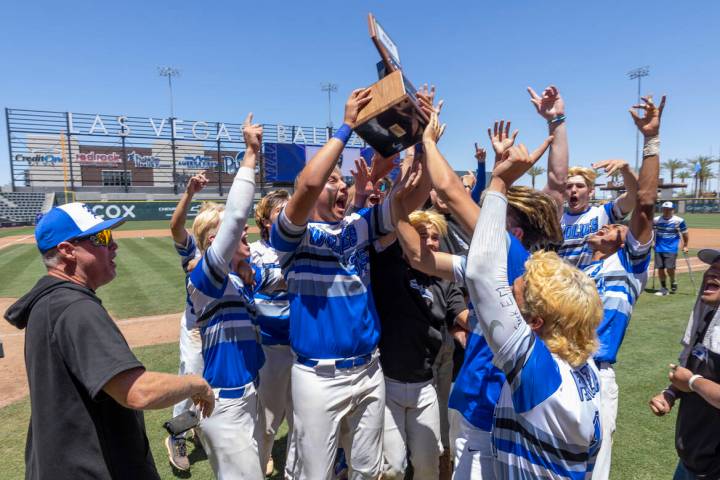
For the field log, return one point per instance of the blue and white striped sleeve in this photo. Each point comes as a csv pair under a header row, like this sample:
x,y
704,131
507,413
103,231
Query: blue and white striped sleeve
x,y
613,212
187,251
682,226
285,236
635,256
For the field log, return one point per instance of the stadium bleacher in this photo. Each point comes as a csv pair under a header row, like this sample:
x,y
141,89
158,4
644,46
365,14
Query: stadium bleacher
x,y
22,207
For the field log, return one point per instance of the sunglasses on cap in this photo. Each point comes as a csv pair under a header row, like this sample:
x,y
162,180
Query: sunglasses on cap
x,y
103,238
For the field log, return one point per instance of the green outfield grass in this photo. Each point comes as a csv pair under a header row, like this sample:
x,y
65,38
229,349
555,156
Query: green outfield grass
x,y
149,278
702,220
643,443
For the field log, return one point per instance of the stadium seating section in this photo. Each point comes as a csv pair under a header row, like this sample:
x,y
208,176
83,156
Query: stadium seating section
x,y
21,207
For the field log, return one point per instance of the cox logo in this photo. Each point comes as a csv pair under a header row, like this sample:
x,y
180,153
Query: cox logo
x,y
114,211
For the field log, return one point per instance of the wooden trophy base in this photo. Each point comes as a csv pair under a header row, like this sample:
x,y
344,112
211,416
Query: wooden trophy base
x,y
392,121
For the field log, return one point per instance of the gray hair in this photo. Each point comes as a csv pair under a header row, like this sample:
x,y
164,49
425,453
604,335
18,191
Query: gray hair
x,y
51,258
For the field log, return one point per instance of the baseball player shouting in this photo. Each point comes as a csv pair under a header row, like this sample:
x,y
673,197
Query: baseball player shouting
x,y
337,383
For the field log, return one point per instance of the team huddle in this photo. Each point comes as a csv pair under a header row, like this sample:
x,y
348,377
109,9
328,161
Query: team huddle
x,y
415,324
472,339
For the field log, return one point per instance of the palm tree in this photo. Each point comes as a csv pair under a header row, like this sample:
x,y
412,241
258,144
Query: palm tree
x,y
534,172
672,166
683,176
701,168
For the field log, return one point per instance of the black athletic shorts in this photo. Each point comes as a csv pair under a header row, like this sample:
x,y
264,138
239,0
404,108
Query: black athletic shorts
x,y
665,260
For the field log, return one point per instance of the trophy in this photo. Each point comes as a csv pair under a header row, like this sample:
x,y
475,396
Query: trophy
x,y
393,120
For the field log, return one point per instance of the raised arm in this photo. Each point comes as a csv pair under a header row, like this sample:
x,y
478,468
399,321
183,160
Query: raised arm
x,y
239,202
480,178
551,107
179,216
625,202
641,222
437,264
446,182
314,176
498,314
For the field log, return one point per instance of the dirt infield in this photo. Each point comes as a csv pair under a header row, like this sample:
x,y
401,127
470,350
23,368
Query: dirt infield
x,y
138,332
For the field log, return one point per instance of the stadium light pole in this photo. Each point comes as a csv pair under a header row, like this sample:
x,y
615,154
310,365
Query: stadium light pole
x,y
329,88
638,73
170,72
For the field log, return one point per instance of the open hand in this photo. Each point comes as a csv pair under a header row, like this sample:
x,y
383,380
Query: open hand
x,y
550,104
408,183
357,100
196,183
648,124
252,133
501,138
361,174
426,100
381,166
516,161
612,166
434,129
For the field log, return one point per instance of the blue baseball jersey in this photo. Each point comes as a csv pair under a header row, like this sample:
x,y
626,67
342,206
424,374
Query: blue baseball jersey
x,y
577,227
272,303
620,279
477,387
547,420
327,270
226,314
188,252
667,233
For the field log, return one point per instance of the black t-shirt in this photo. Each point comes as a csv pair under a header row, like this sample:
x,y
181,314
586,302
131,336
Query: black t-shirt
x,y
72,349
414,309
697,431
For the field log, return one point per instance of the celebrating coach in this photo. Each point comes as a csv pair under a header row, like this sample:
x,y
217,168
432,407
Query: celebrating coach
x,y
86,386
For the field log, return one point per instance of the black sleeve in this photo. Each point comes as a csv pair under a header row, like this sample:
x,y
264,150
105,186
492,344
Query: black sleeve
x,y
92,345
455,302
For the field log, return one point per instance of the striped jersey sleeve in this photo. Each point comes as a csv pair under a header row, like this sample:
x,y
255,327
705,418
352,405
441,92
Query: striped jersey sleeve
x,y
620,279
187,251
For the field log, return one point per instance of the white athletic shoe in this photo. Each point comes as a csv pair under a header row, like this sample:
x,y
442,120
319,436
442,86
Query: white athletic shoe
x,y
662,292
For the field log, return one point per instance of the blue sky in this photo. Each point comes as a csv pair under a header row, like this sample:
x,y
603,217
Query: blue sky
x,y
271,57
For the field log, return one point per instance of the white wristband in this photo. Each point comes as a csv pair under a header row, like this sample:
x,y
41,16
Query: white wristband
x,y
692,380
651,146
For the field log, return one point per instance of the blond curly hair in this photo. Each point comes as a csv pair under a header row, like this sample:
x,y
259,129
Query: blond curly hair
x,y
536,213
567,301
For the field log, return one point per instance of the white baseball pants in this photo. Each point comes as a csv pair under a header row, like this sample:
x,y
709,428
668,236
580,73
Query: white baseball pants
x,y
472,447
230,437
412,421
608,416
333,407
191,359
443,371
276,397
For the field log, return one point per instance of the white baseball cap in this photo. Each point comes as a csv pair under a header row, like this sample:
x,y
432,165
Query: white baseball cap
x,y
67,222
668,205
709,255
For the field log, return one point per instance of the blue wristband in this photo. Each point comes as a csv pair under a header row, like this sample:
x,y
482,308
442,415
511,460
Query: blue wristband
x,y
556,119
419,149
343,133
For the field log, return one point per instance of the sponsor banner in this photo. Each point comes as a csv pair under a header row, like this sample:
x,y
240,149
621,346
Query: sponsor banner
x,y
140,210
